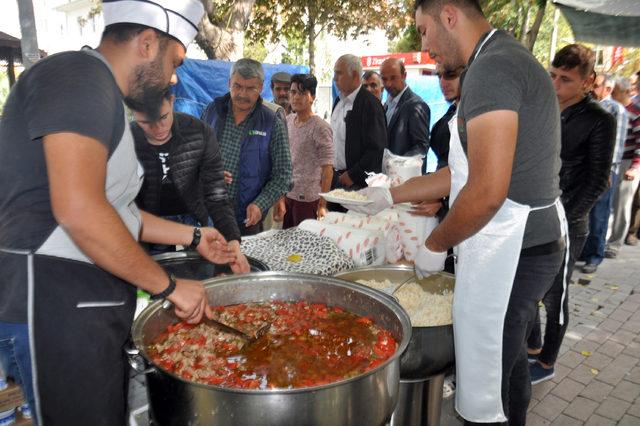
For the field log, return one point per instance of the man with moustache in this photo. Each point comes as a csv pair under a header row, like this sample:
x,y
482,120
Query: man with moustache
x,y
407,114
69,226
505,217
371,81
280,84
254,143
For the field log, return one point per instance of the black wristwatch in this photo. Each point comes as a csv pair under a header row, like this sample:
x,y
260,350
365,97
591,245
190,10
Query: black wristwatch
x,y
164,294
197,234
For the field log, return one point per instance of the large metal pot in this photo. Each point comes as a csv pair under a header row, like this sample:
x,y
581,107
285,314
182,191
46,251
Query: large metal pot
x,y
430,350
189,264
367,399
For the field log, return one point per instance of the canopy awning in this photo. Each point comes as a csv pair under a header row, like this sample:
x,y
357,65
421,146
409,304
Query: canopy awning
x,y
603,22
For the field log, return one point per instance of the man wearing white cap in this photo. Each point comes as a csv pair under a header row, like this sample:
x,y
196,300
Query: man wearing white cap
x,y
69,226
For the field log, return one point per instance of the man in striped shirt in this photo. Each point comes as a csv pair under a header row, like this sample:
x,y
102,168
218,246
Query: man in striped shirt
x,y
629,170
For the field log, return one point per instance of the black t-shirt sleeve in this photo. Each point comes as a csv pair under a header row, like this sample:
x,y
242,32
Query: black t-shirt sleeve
x,y
493,83
73,92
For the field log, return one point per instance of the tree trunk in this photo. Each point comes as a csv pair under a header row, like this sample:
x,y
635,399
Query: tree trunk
x,y
11,72
311,33
224,40
525,24
532,35
29,40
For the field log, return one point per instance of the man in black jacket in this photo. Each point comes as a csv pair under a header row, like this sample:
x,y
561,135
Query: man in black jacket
x,y
183,174
407,114
359,127
588,136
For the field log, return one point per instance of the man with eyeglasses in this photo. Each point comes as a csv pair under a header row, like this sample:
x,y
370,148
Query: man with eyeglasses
x,y
450,86
254,143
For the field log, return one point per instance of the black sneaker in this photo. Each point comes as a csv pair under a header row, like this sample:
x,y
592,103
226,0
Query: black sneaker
x,y
532,357
610,253
539,374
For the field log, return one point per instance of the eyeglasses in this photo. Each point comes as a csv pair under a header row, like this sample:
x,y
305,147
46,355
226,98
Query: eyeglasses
x,y
235,87
451,74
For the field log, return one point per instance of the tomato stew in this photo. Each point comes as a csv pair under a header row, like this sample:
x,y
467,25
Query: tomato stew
x,y
307,344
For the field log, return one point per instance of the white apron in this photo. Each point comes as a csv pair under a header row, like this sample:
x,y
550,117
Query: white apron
x,y
485,271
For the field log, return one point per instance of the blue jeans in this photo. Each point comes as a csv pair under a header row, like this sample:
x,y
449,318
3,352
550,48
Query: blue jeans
x,y
593,252
16,359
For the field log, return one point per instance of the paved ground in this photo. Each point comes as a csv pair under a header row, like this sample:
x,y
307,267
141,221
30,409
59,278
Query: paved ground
x,y
597,378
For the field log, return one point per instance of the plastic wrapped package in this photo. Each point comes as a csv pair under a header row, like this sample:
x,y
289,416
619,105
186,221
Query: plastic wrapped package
x,y
393,247
400,169
364,246
414,230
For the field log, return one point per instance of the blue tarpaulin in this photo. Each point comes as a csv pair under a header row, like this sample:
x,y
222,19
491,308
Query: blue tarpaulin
x,y
199,82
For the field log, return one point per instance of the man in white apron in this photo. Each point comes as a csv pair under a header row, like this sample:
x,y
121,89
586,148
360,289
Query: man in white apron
x,y
69,226
505,220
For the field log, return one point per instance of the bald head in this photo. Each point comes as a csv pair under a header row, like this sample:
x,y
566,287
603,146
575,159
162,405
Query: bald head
x,y
394,76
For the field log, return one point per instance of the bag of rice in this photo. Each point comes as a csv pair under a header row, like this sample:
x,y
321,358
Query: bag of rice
x,y
399,168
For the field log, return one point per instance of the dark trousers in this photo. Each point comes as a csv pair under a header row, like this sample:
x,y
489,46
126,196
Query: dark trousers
x,y
82,320
593,251
635,214
534,277
554,332
297,211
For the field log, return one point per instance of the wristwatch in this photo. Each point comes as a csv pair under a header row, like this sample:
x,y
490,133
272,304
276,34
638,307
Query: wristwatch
x,y
197,234
164,294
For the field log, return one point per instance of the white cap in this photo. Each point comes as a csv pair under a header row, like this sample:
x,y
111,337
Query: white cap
x,y
177,18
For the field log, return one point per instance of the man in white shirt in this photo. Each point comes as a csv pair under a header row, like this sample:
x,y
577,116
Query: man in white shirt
x,y
359,127
407,114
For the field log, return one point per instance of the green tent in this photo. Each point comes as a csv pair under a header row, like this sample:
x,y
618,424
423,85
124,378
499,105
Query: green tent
x,y
603,22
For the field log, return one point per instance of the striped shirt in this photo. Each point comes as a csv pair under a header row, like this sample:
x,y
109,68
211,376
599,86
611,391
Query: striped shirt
x,y
618,111
632,144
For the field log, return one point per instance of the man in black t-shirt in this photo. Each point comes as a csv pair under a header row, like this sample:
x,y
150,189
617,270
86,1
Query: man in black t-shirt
x,y
69,226
505,217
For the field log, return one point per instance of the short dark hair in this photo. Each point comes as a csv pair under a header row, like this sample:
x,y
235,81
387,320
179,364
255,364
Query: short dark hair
x,y
433,7
368,74
575,55
123,32
307,82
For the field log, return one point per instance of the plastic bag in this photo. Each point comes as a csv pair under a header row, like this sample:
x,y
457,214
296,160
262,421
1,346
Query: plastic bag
x,y
399,168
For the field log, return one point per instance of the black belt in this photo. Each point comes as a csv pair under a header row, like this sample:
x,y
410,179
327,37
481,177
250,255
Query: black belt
x,y
544,249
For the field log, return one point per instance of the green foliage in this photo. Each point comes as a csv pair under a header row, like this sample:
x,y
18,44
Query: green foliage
x,y
256,51
542,47
300,22
409,42
4,88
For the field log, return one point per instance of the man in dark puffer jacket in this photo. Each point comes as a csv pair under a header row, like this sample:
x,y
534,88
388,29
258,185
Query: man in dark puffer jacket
x,y
184,174
588,137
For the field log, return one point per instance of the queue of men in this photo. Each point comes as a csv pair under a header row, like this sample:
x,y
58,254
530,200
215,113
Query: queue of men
x,y
530,169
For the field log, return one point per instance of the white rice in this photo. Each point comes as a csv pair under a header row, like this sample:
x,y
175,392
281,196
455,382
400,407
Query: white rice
x,y
347,195
425,309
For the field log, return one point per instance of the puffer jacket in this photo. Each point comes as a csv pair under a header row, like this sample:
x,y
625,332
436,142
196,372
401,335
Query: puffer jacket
x,y
196,170
588,139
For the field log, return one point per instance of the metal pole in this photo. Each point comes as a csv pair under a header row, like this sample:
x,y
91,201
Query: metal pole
x,y
29,41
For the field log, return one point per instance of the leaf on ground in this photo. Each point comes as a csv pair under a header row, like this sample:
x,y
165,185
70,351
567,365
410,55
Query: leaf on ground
x,y
594,371
586,353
